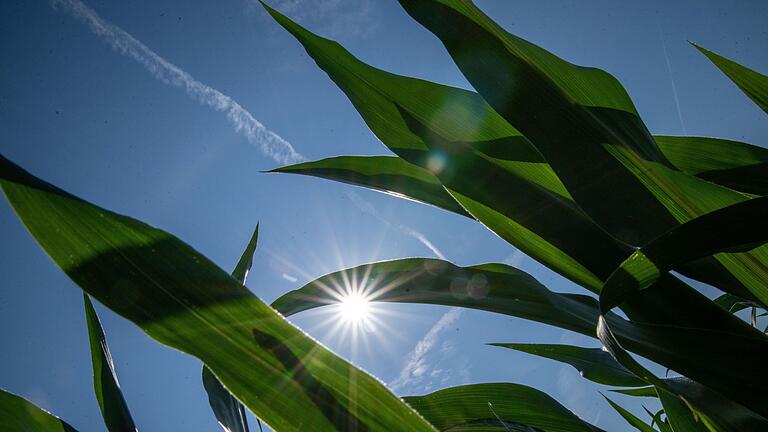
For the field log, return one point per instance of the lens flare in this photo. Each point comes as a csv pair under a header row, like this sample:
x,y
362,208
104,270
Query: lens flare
x,y
354,307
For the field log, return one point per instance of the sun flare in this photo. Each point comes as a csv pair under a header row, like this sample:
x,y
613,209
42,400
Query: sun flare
x,y
355,308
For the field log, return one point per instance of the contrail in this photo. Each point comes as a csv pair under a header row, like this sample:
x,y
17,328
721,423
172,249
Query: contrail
x,y
416,364
270,144
672,79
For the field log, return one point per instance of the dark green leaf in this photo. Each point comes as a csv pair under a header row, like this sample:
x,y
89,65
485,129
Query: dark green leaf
x,y
752,83
461,407
246,259
649,391
585,125
18,414
114,410
183,300
680,416
734,164
736,227
630,418
594,364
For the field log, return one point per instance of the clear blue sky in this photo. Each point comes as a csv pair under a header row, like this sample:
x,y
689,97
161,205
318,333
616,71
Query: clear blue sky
x,y
94,121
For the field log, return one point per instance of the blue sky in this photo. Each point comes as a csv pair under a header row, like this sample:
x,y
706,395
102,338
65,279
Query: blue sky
x,y
87,108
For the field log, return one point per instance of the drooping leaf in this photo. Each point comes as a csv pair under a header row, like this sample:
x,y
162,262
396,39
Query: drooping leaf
x,y
114,410
183,300
461,408
18,414
732,304
386,174
737,165
585,125
752,83
633,420
492,287
502,289
737,227
228,410
594,364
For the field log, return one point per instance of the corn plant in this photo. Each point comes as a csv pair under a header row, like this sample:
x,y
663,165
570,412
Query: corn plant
x,y
549,156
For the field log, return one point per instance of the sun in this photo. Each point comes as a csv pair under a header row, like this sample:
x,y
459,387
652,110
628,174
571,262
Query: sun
x,y
355,308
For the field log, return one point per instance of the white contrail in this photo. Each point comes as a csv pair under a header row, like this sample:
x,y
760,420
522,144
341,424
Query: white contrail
x,y
416,364
672,79
367,207
271,144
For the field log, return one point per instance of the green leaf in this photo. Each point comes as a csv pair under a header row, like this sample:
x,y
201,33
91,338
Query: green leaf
x,y
386,174
593,364
737,227
737,165
680,417
18,414
460,408
630,418
114,410
752,83
649,391
732,304
228,410
584,124
183,300
491,287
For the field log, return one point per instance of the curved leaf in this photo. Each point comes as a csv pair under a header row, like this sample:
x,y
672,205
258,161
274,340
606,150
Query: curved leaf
x,y
388,174
183,300
752,83
630,418
737,165
486,404
114,410
18,414
679,416
593,364
739,226
586,127
492,287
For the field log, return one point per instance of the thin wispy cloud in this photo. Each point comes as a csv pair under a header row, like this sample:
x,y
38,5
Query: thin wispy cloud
x,y
368,208
417,368
270,144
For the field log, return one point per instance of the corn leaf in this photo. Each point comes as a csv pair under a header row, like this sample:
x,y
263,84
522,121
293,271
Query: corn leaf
x,y
633,420
593,364
587,128
183,300
737,227
680,417
388,174
496,407
228,410
752,83
737,165
18,414
114,410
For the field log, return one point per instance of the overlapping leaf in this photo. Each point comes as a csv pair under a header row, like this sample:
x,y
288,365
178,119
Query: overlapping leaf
x,y
228,410
114,410
593,364
183,300
496,407
737,165
632,419
18,414
585,125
